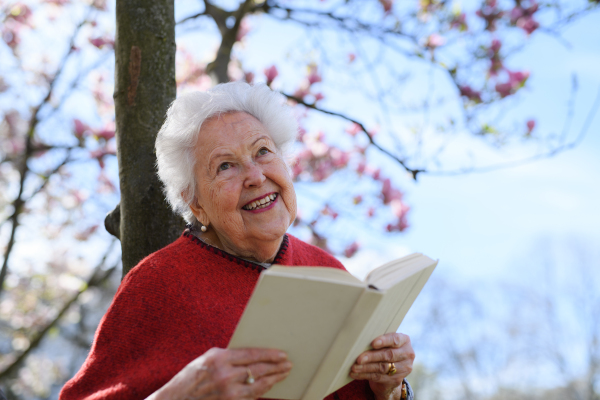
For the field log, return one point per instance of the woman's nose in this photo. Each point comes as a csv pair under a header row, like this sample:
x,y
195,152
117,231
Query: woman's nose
x,y
253,175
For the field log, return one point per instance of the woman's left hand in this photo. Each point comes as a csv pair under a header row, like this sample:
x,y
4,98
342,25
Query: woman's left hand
x,y
374,365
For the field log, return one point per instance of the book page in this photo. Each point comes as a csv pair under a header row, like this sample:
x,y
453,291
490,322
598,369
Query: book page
x,y
394,273
318,273
378,273
386,318
299,316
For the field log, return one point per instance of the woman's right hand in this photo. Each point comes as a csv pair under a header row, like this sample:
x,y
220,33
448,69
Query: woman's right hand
x,y
221,374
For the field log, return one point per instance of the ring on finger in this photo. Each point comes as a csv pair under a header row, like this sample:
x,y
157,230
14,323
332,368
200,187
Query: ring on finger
x,y
250,379
392,369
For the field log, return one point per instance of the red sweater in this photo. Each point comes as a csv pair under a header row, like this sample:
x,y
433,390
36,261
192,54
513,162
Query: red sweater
x,y
171,308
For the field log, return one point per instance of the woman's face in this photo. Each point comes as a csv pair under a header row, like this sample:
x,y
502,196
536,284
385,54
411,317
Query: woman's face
x,y
244,188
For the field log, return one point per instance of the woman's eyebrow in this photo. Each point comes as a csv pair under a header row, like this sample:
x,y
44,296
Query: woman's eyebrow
x,y
218,155
262,137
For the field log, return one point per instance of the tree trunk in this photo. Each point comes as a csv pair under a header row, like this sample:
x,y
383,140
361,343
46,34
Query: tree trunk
x,y
144,88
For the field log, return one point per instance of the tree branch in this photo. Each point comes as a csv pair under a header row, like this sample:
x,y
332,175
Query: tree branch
x,y
97,278
24,167
414,172
218,67
564,147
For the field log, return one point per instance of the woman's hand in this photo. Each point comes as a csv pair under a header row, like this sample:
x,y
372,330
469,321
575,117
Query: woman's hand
x,y
221,374
374,365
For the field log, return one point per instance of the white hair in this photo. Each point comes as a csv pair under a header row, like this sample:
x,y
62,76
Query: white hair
x,y
177,138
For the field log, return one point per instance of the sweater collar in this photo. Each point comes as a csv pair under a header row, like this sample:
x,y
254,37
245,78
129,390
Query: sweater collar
x,y
188,232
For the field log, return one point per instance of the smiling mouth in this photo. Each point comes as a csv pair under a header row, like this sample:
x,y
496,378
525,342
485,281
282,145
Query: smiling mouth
x,y
261,203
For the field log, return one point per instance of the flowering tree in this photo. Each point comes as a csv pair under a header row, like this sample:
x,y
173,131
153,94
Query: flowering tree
x,y
58,170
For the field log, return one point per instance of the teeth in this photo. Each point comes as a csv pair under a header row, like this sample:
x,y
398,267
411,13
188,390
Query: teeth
x,y
262,203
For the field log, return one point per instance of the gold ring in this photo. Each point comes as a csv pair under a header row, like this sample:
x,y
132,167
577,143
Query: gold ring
x,y
250,378
392,369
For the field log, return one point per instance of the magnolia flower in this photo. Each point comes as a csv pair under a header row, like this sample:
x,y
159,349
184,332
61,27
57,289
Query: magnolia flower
x,y
530,126
470,94
271,73
351,250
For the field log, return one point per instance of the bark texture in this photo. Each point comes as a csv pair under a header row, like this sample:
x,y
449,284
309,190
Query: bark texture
x,y
144,88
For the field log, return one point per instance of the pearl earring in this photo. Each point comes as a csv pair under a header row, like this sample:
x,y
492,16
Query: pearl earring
x,y
203,229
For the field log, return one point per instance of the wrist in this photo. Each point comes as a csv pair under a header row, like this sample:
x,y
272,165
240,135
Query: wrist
x,y
400,392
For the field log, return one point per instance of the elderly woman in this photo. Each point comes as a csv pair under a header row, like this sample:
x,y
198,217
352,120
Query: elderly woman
x,y
221,157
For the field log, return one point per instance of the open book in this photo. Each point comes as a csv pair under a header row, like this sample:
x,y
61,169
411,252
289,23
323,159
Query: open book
x,y
324,318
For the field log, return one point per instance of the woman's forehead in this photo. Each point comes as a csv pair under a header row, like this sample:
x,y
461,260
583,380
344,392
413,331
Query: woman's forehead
x,y
231,130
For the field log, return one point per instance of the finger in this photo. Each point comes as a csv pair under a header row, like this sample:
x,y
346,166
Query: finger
x,y
385,355
251,356
260,370
260,387
390,340
379,367
372,376
402,368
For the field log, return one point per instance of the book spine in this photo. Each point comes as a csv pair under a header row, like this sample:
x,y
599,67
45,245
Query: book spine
x,y
351,341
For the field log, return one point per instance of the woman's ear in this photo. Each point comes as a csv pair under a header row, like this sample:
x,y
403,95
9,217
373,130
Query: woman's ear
x,y
199,212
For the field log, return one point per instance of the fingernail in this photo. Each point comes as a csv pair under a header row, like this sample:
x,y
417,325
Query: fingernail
x,y
364,360
282,355
358,368
377,343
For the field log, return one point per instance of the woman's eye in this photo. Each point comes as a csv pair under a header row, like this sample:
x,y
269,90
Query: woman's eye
x,y
224,166
263,151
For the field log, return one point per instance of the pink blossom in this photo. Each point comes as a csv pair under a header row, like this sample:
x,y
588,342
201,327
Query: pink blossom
x,y
495,47
301,92
504,89
528,24
400,225
357,199
360,169
351,250
339,158
518,78
20,13
319,96
271,73
354,129
490,13
398,208
370,212
327,210
523,17
376,174
530,126
81,128
387,5
388,193
99,155
351,57
99,4
10,35
314,77
101,42
249,77
459,22
243,31
434,40
105,134
470,94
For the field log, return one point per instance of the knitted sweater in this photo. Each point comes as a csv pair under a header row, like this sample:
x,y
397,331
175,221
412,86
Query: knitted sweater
x,y
171,308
